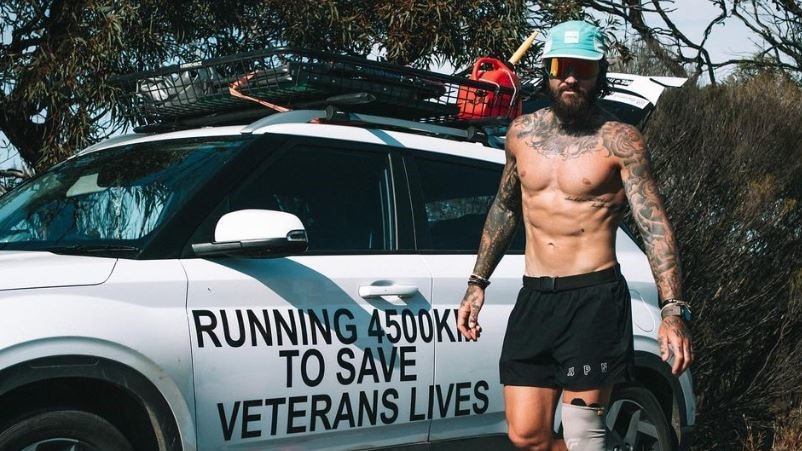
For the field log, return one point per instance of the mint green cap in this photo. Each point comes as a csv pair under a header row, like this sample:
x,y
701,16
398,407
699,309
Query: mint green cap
x,y
575,39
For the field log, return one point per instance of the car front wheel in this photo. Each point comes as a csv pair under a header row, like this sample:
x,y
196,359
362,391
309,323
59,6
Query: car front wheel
x,y
637,422
63,430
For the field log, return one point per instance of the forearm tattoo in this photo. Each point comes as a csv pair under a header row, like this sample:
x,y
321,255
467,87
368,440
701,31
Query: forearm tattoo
x,y
502,218
626,142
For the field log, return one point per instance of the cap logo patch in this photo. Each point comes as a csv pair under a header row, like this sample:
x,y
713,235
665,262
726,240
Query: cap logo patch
x,y
571,37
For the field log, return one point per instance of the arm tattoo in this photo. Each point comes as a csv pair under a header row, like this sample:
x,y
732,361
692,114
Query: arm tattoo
x,y
626,142
505,212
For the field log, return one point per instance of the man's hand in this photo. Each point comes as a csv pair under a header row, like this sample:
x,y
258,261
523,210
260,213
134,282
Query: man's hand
x,y
675,338
468,313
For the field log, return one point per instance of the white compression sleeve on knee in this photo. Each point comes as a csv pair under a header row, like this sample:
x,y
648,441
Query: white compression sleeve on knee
x,y
583,428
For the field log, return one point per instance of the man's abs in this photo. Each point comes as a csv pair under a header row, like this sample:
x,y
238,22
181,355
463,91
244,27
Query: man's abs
x,y
571,211
578,247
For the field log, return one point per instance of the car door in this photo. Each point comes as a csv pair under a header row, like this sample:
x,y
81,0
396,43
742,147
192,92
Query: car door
x,y
452,196
326,350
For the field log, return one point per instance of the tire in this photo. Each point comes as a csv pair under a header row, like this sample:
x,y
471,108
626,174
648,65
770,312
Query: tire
x,y
63,430
636,422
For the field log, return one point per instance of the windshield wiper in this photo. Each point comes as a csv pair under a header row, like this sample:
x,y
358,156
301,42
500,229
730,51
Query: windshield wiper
x,y
93,249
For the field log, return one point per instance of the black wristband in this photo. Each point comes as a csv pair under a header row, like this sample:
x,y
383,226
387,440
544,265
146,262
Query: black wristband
x,y
672,301
479,281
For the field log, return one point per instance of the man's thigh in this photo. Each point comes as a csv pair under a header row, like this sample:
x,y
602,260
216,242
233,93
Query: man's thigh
x,y
530,410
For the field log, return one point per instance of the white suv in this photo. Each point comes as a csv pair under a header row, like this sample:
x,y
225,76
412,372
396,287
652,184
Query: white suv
x,y
286,284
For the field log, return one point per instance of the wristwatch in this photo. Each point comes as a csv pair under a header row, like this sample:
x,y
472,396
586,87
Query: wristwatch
x,y
677,308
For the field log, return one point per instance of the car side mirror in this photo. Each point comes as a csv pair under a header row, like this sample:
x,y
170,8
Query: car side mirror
x,y
255,233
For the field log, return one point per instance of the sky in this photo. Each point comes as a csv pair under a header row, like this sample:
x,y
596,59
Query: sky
x,y
730,40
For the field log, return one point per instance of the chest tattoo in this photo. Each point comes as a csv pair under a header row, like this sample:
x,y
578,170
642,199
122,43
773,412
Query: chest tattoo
x,y
547,139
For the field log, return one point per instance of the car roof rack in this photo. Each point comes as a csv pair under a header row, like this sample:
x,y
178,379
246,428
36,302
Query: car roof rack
x,y
241,88
477,132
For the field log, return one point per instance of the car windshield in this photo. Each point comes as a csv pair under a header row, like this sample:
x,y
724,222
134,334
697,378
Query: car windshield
x,y
109,201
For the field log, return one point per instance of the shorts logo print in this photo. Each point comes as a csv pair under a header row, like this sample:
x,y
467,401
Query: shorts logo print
x,y
586,368
604,367
571,371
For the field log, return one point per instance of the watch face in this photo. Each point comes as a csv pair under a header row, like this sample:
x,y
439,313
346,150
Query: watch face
x,y
685,313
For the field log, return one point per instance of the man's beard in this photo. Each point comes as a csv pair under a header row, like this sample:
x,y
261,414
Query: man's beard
x,y
571,110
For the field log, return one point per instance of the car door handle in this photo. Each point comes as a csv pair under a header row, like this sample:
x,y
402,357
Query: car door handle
x,y
374,291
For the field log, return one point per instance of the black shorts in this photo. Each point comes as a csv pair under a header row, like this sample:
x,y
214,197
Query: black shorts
x,y
570,332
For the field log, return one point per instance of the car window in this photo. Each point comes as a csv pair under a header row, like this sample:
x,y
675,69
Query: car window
x,y
343,197
456,198
111,197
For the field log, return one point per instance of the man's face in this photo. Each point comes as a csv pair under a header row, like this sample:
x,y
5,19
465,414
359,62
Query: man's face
x,y
572,87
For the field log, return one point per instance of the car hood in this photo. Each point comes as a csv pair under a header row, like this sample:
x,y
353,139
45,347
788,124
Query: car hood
x,y
29,269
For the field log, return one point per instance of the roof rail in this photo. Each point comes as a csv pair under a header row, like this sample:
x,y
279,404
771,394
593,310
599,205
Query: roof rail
x,y
477,133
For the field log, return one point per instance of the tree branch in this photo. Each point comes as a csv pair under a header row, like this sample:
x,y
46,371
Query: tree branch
x,y
778,42
756,63
702,57
791,6
635,17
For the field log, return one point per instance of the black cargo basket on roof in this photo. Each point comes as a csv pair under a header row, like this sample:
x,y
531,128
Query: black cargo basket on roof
x,y
201,92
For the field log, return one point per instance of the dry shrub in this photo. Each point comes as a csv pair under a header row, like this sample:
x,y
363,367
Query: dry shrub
x,y
788,433
729,163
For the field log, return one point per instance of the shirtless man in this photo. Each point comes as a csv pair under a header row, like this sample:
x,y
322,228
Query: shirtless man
x,y
570,169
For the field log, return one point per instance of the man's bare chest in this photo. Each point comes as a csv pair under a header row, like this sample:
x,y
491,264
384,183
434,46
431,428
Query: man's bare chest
x,y
576,166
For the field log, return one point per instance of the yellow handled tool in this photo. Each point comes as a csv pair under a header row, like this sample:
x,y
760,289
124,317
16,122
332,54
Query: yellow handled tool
x,y
522,49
